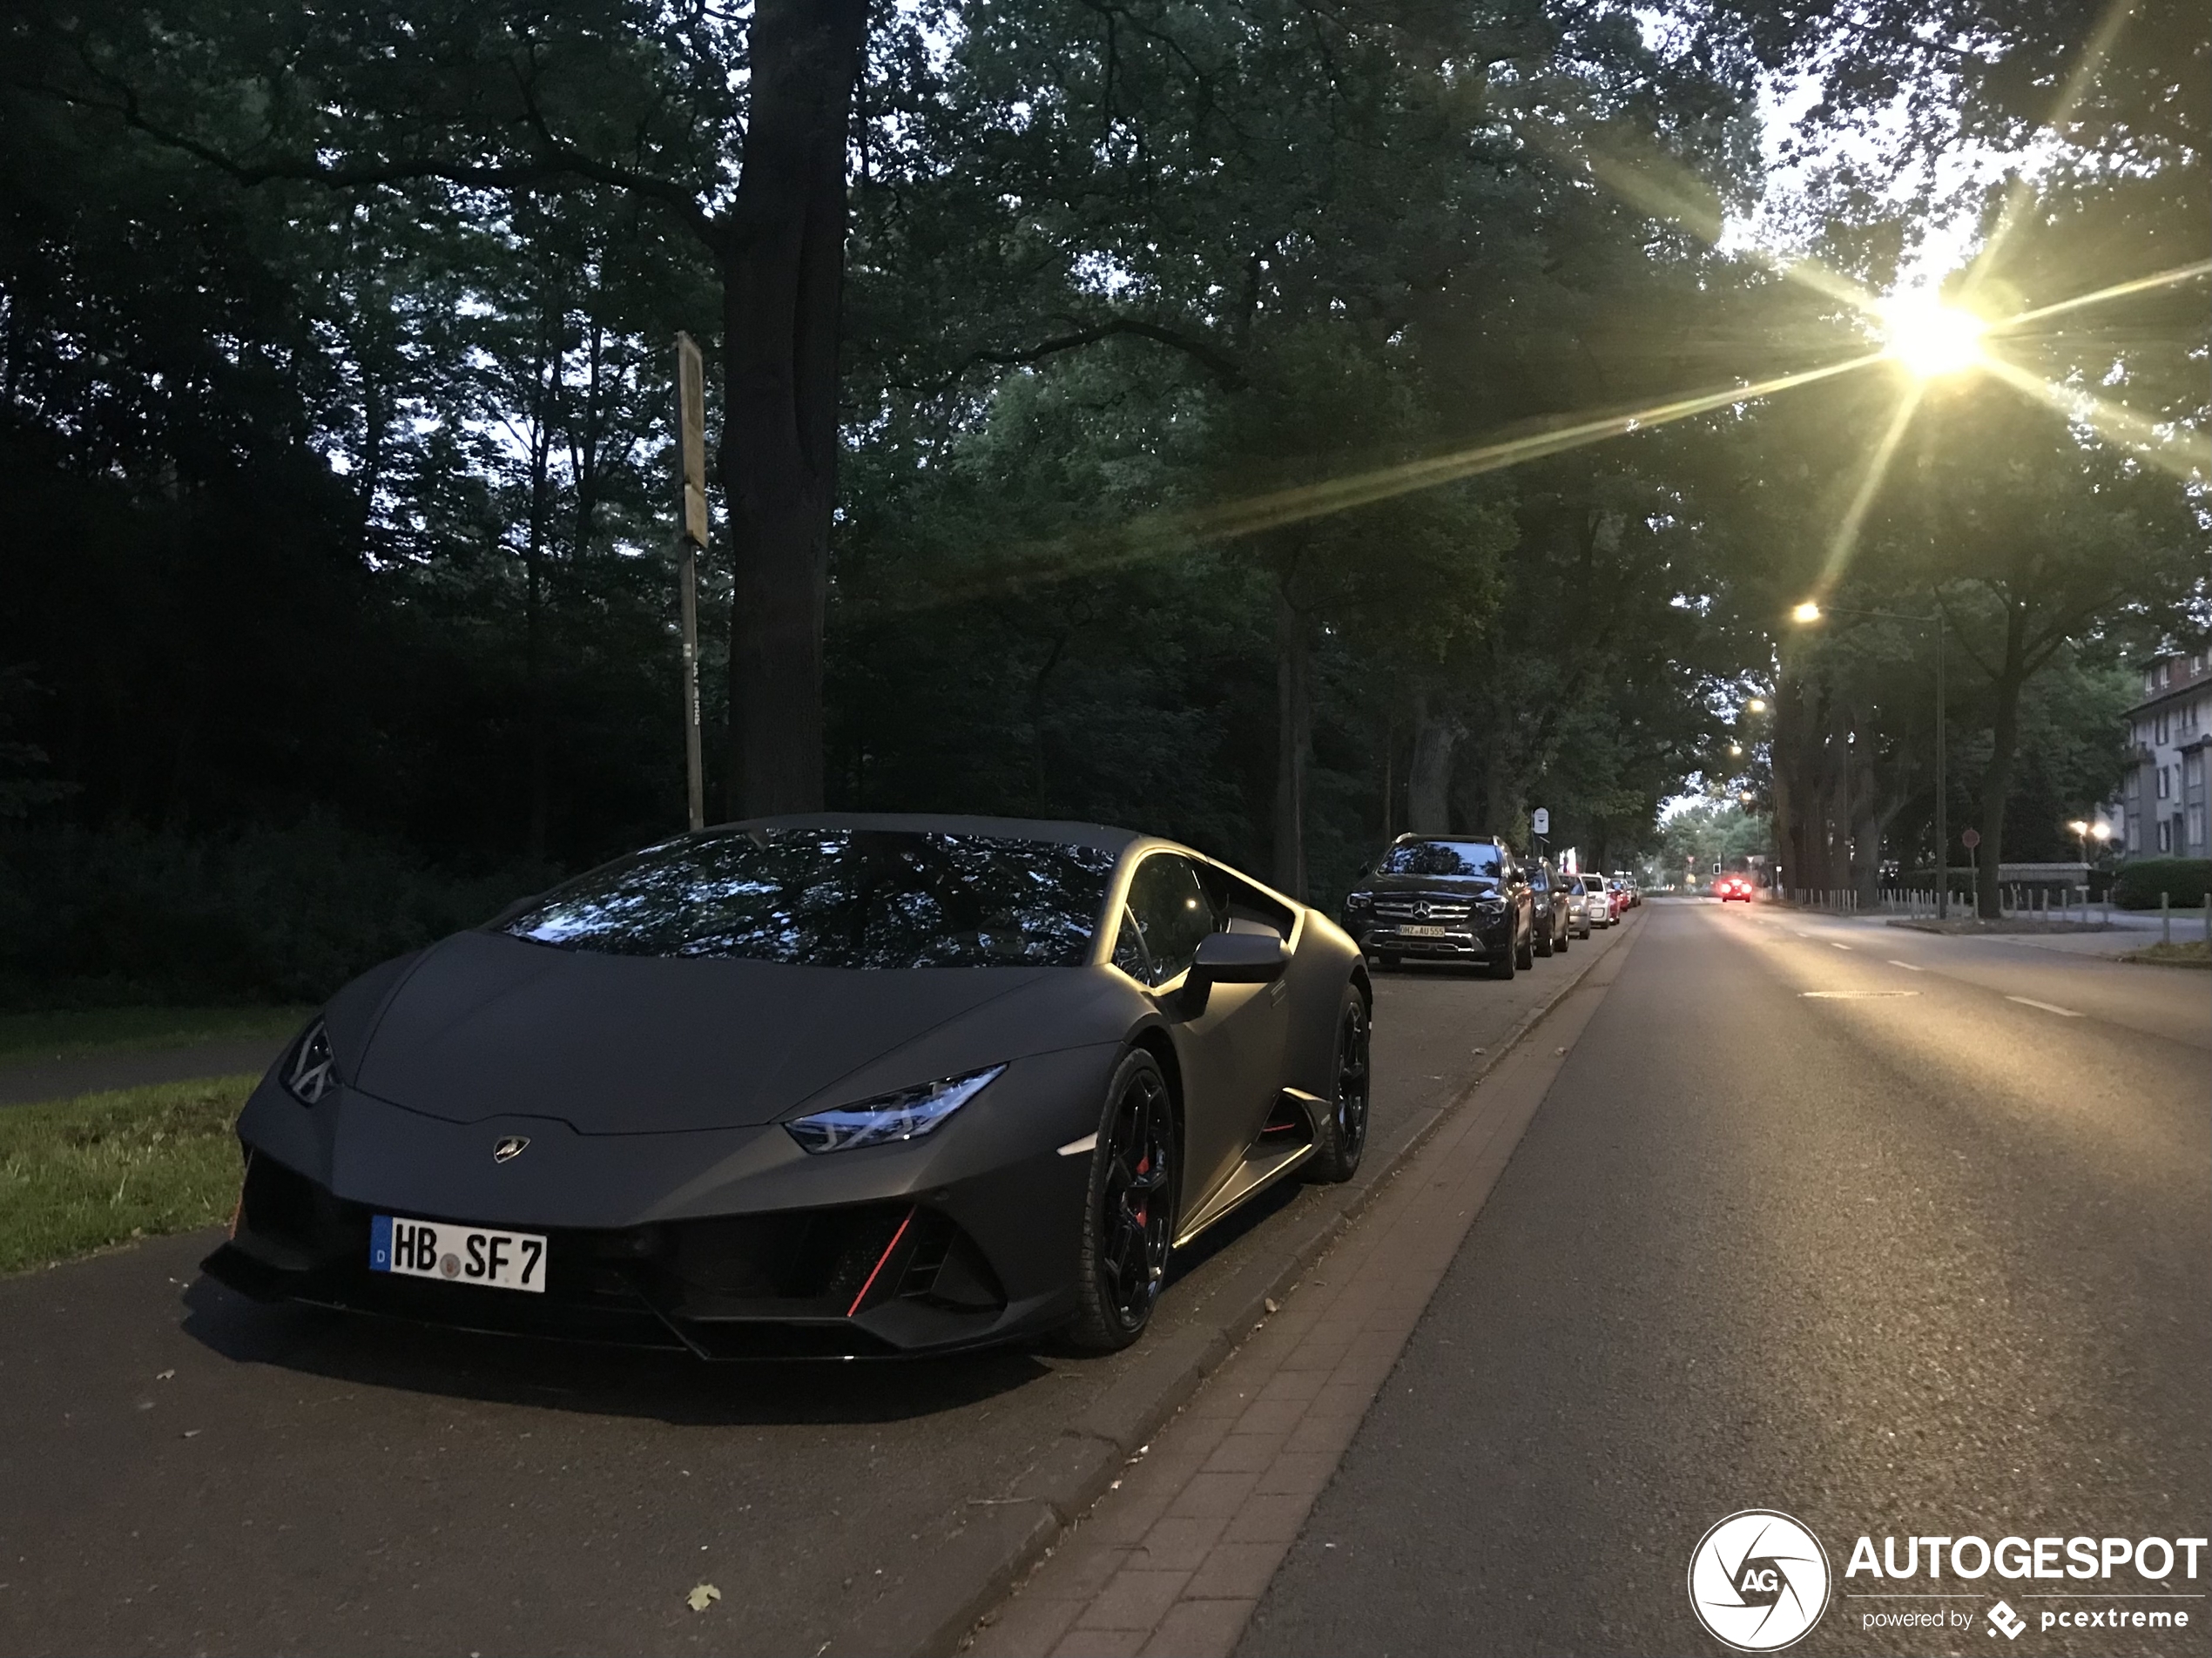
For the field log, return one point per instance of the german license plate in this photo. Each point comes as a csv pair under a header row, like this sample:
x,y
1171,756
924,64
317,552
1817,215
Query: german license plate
x,y
469,1255
1425,931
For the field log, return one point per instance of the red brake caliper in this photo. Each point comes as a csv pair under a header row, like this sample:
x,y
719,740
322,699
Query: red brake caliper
x,y
1143,1167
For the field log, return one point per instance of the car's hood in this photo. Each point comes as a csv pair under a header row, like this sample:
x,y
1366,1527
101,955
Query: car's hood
x,y
486,1026
1470,886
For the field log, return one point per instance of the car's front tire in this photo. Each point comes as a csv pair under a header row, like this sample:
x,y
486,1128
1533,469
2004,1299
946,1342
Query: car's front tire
x,y
1128,1210
1541,940
1339,1140
1524,952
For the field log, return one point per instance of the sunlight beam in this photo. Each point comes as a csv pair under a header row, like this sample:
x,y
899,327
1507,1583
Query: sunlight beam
x,y
1157,534
2022,194
1637,184
2117,290
1845,542
1338,495
2187,454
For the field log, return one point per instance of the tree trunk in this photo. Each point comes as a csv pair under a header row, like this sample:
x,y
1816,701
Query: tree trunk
x,y
1294,741
783,260
1997,781
1428,775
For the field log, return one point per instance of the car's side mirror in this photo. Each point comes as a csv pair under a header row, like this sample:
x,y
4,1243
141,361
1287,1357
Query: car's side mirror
x,y
1239,958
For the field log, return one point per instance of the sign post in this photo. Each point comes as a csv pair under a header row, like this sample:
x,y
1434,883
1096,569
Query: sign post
x,y
1969,838
691,536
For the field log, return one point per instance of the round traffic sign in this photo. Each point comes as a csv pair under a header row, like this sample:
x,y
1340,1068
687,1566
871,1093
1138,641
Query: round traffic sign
x,y
1970,838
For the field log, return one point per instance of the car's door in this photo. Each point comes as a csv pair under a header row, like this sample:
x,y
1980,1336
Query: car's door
x,y
1231,1048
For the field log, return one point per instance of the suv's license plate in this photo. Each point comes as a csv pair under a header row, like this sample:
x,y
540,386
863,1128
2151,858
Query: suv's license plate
x,y
469,1255
1427,932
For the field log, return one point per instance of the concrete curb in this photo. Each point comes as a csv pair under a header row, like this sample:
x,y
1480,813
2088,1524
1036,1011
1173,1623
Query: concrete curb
x,y
974,1569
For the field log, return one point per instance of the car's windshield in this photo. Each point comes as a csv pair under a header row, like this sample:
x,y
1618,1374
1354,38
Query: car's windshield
x,y
836,898
1442,858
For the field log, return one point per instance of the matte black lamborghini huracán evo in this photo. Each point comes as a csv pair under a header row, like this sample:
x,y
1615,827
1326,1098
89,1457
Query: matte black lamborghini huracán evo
x,y
821,1085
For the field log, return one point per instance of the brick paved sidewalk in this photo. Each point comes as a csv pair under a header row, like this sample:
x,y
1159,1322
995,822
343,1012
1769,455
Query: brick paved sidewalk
x,y
1174,1558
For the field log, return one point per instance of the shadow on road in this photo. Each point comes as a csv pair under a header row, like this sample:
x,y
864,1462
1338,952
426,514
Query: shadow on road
x,y
668,1386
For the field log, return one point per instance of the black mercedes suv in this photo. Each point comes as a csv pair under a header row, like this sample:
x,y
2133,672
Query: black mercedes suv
x,y
1445,898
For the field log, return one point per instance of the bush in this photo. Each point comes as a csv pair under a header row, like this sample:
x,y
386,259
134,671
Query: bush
x,y
2183,879
132,915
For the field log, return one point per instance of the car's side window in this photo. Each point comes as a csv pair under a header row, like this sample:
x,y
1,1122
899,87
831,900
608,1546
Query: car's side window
x,y
1167,914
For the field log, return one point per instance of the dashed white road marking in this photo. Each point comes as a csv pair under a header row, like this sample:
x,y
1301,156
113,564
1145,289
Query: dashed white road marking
x,y
2047,1007
1907,965
1834,946
1853,995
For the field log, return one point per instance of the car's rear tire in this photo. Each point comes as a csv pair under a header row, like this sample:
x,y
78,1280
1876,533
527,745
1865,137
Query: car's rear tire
x,y
1566,937
1342,1138
1128,1210
1542,941
1524,953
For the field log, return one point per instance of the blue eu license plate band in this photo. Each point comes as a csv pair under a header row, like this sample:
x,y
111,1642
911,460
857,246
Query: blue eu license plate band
x,y
380,1244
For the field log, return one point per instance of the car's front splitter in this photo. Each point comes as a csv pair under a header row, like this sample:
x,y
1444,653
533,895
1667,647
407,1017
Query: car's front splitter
x,y
875,1279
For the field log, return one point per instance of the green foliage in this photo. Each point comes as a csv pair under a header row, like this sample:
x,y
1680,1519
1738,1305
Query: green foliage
x,y
1706,833
130,915
80,1175
2140,880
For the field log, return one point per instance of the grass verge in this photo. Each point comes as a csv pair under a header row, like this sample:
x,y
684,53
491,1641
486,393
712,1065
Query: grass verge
x,y
2188,952
67,1034
79,1175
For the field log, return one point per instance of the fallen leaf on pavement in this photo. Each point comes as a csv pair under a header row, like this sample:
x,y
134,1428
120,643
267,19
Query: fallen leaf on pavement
x,y
703,1597
163,1375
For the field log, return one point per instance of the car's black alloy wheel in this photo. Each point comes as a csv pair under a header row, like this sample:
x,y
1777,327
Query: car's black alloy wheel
x,y
1128,1219
1342,1135
1540,936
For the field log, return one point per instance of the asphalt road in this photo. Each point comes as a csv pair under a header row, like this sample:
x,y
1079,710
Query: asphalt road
x,y
183,1471
1921,1257
27,1081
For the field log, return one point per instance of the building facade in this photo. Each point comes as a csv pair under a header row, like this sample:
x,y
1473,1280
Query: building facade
x,y
2167,734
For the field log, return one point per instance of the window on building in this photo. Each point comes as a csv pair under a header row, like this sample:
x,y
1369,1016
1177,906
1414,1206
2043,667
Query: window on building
x,y
2197,830
2166,673
2193,768
2159,727
2165,835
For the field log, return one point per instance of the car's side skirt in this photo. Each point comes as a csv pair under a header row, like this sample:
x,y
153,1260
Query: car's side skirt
x,y
1263,1166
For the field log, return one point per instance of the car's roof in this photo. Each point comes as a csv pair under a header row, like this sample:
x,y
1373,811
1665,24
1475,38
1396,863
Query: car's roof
x,y
1098,835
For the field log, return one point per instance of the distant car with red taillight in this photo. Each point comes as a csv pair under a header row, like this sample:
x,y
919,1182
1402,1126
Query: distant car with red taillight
x,y
1729,887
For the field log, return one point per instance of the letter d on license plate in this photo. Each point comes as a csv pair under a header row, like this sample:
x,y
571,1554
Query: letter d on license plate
x,y
469,1255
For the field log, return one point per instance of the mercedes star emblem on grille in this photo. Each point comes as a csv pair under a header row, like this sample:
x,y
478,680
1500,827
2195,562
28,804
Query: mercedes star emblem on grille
x,y
510,1147
1420,911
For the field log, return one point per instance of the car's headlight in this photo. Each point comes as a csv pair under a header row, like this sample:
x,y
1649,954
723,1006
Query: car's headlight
x,y
308,1073
1358,901
1491,905
908,1115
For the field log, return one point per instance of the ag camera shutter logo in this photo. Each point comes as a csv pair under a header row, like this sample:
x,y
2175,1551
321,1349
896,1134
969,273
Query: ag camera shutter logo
x,y
1758,1581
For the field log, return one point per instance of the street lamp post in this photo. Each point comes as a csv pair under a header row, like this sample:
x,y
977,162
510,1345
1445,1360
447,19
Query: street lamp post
x,y
1809,612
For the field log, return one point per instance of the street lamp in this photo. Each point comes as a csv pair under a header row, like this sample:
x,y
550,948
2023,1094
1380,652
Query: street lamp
x,y
1735,750
1758,704
1809,612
